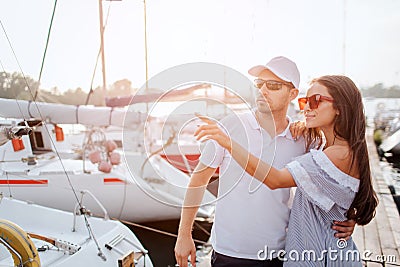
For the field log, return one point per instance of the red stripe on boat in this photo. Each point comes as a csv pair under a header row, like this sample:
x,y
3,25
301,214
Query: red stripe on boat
x,y
177,161
24,182
113,180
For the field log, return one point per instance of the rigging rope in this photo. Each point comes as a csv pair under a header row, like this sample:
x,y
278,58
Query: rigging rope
x,y
45,50
157,230
97,59
9,79
20,69
168,143
40,114
88,226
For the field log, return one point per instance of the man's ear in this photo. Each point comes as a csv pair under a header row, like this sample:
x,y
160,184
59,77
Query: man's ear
x,y
294,92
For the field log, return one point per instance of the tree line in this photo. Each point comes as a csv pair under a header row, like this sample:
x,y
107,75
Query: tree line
x,y
380,91
16,86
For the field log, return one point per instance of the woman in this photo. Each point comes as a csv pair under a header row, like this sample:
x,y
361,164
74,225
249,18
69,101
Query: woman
x,y
334,182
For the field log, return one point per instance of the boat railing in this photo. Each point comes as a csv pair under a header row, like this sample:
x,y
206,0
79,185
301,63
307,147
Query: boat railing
x,y
80,209
12,250
112,245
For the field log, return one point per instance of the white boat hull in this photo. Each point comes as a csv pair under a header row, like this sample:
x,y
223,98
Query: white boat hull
x,y
58,224
123,197
392,143
127,192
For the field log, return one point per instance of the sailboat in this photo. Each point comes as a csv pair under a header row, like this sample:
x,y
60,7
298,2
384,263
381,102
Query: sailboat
x,y
35,170
33,236
125,181
43,175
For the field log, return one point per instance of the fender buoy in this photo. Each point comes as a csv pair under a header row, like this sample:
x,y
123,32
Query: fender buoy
x,y
95,156
59,133
105,166
19,241
17,144
115,158
110,145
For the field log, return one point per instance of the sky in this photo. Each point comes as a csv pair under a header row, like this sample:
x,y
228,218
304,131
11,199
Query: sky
x,y
358,38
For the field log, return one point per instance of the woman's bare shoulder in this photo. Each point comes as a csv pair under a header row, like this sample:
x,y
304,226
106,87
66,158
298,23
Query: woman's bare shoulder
x,y
340,156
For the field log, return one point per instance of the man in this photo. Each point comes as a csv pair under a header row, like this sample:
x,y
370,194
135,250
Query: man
x,y
250,219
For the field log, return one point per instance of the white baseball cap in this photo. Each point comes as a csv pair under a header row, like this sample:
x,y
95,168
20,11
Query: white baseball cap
x,y
282,67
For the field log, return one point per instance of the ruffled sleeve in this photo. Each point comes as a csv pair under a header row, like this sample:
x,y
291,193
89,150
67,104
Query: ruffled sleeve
x,y
322,182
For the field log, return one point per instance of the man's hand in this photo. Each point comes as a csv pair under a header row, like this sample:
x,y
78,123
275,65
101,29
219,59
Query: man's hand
x,y
183,248
344,229
212,131
297,129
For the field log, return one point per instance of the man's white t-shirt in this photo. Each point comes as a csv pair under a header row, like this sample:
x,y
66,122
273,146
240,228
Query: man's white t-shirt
x,y
250,219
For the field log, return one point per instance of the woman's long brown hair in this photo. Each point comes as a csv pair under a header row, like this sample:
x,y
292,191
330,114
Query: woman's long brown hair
x,y
350,126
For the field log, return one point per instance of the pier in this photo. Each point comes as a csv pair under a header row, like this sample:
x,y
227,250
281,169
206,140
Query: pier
x,y
379,241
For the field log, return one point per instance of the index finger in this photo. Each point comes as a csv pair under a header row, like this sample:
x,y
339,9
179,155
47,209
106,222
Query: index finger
x,y
204,118
348,223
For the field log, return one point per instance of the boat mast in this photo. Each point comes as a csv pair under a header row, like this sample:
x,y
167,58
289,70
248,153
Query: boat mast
x,y
103,63
145,52
145,44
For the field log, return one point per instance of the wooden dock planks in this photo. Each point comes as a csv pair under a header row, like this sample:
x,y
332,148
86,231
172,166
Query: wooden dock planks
x,y
381,237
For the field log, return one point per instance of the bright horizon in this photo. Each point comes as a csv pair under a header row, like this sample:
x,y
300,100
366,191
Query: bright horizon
x,y
239,34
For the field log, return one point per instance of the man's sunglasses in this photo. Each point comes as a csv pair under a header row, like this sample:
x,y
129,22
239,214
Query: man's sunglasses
x,y
271,84
313,101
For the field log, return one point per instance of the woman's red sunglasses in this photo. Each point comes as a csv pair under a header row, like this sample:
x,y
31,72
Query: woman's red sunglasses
x,y
313,101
